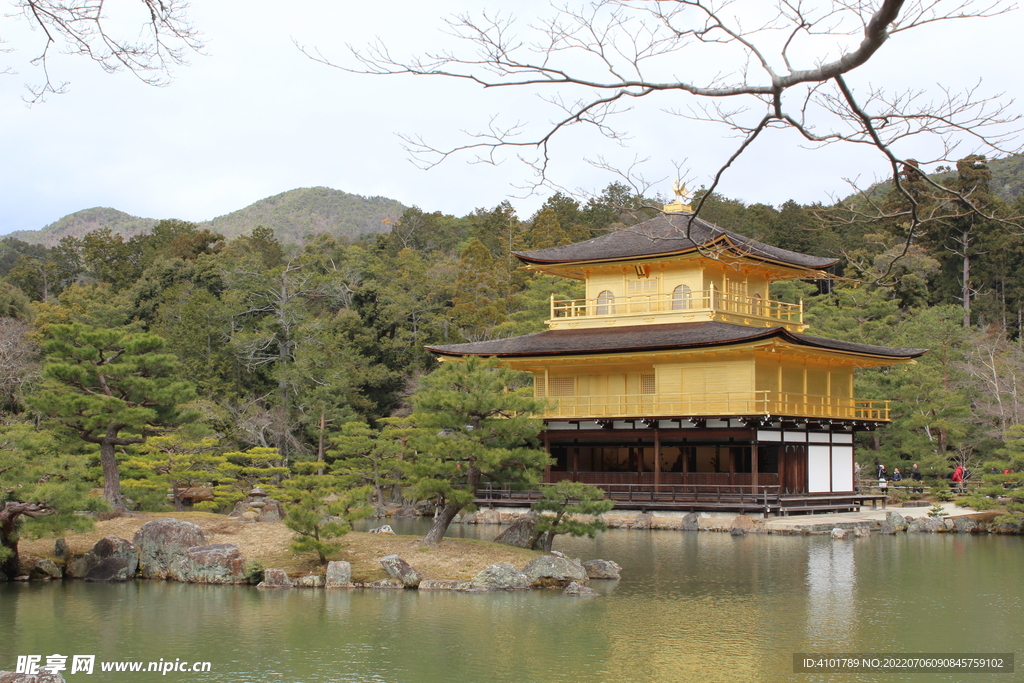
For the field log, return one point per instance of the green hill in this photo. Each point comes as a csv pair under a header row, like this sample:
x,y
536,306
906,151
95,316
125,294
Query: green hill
x,y
294,216
297,214
80,223
1007,181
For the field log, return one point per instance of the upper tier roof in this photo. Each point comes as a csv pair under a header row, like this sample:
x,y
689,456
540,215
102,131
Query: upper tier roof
x,y
665,235
656,338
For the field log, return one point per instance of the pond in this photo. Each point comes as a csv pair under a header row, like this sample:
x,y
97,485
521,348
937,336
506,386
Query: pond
x,y
690,607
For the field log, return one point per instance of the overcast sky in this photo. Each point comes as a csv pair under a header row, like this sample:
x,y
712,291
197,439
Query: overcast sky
x,y
254,117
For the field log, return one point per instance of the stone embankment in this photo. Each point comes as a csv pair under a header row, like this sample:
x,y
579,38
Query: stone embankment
x,y
548,571
177,550
947,518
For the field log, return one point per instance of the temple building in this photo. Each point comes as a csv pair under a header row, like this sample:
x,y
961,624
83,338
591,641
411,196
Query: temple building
x,y
678,383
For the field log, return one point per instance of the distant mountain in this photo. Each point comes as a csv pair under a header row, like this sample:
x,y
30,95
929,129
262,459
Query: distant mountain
x,y
83,222
1007,181
298,214
294,216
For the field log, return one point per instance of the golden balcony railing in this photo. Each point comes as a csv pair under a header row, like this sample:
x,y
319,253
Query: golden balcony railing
x,y
730,403
708,302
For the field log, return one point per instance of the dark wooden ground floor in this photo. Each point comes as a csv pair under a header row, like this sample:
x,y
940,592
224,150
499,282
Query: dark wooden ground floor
x,y
723,464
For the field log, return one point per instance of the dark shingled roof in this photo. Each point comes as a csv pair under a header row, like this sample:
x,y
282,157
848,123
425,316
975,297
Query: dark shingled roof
x,y
653,338
663,235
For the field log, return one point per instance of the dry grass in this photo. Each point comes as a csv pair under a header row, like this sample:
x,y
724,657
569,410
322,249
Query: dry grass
x,y
269,544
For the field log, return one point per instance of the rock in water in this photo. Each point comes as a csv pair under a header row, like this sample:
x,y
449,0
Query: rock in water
x,y
501,577
549,570
162,542
398,568
216,563
521,532
896,521
275,578
45,569
965,525
111,559
339,574
579,591
602,569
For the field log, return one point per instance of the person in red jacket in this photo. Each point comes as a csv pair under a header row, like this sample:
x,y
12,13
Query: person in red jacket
x,y
958,479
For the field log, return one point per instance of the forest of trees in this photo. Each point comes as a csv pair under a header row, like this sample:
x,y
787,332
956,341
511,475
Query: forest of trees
x,y
178,357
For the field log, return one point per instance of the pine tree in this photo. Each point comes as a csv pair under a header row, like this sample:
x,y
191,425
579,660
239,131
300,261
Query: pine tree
x,y
321,509
565,500
475,426
111,387
43,488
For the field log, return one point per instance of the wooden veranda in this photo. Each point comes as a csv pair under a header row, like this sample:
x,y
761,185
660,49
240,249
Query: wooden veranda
x,y
766,499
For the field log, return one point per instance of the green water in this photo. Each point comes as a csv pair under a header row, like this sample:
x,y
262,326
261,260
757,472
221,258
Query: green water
x,y
690,607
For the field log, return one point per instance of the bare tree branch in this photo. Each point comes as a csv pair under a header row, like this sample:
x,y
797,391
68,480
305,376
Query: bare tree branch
x,y
165,35
783,66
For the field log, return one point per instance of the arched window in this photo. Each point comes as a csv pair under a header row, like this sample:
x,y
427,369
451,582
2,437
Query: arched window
x,y
605,301
716,298
681,298
756,304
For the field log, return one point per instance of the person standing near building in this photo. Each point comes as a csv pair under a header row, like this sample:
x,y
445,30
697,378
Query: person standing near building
x,y
958,480
915,475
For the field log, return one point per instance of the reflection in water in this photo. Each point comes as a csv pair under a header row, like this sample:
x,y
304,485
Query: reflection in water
x,y
691,607
831,605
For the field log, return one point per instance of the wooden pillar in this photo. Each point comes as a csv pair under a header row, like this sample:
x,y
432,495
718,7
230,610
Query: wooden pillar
x,y
732,465
576,463
783,469
753,466
657,459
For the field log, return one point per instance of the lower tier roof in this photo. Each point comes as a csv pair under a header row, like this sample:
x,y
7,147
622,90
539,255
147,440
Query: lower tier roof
x,y
661,337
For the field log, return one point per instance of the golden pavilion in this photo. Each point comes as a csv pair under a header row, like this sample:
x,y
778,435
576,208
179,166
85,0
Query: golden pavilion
x,y
678,383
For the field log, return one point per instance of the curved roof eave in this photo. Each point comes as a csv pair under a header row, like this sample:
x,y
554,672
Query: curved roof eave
x,y
665,236
646,338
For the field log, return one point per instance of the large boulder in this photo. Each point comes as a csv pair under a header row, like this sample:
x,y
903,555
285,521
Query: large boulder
x,y
162,543
501,577
111,559
930,525
399,569
579,591
275,578
520,534
896,521
215,563
965,525
339,574
602,569
551,570
691,522
45,569
642,521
